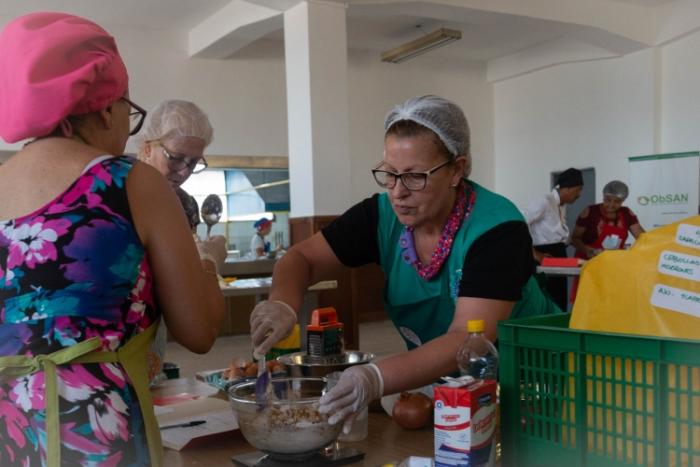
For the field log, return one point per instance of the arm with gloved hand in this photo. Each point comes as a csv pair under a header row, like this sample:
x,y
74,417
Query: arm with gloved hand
x,y
304,264
360,385
357,387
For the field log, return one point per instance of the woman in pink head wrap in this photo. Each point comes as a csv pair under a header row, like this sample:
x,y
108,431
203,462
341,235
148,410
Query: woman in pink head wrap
x,y
85,263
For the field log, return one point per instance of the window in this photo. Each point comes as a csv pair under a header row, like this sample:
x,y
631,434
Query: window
x,y
247,195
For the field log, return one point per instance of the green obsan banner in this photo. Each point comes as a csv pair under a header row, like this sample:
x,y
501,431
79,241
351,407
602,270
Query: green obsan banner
x,y
664,187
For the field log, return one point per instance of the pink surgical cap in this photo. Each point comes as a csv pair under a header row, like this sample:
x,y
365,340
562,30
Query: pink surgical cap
x,y
54,65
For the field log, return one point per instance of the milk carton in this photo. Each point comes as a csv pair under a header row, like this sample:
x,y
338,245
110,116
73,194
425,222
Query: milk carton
x,y
465,421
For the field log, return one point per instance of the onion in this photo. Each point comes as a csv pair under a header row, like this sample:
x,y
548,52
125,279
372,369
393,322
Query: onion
x,y
413,410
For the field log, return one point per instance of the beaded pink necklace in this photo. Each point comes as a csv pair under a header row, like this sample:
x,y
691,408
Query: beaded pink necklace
x,y
460,211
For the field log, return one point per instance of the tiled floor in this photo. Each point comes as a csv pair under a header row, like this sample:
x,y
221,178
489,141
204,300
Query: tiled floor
x,y
380,338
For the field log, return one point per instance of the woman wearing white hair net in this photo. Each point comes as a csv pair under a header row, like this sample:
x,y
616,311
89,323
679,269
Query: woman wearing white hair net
x,y
605,226
173,141
451,251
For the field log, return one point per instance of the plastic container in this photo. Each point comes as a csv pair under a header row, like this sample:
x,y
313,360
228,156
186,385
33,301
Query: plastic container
x,y
359,427
290,344
478,357
580,398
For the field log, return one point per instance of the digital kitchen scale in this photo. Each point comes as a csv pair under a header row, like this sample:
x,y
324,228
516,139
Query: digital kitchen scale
x,y
324,458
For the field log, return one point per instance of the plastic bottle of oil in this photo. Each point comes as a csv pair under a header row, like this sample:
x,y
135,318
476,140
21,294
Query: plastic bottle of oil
x,y
478,358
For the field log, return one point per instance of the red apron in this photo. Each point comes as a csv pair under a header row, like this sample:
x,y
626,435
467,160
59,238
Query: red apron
x,y
606,231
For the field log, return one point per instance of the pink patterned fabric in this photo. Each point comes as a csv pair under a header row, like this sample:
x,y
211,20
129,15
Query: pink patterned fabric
x,y
72,270
53,65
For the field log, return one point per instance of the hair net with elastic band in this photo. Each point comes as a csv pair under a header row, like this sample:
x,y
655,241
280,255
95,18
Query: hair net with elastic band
x,y
442,117
52,66
617,189
172,118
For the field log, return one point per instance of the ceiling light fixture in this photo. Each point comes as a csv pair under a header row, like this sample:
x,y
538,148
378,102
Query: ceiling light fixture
x,y
419,46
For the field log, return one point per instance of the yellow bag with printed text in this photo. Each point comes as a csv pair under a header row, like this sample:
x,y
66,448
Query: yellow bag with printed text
x,y
652,289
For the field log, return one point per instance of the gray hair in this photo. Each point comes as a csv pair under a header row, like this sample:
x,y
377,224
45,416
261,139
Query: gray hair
x,y
172,118
617,189
444,118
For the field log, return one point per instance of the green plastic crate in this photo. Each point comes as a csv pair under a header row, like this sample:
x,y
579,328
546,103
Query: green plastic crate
x,y
576,398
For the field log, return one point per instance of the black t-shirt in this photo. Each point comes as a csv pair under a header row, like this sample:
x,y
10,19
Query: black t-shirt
x,y
497,264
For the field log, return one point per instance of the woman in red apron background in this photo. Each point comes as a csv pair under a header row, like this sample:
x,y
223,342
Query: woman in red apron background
x,y
604,226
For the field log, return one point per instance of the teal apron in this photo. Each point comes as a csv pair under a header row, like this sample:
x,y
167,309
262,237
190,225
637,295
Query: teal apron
x,y
423,310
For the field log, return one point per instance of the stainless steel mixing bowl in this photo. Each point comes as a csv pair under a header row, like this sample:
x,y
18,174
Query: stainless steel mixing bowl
x,y
299,364
289,427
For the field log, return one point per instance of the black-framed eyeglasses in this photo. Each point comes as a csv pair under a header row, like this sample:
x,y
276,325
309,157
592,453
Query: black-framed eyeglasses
x,y
414,181
136,117
180,161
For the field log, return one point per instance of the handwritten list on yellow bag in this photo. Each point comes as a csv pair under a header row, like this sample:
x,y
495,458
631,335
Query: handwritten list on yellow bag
x,y
652,289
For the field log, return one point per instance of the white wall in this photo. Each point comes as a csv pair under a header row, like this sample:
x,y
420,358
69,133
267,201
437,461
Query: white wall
x,y
375,87
593,114
680,113
245,97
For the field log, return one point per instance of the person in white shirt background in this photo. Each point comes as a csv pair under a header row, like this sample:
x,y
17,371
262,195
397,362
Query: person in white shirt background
x,y
546,218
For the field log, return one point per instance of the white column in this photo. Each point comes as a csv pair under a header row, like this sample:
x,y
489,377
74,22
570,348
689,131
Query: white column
x,y
317,108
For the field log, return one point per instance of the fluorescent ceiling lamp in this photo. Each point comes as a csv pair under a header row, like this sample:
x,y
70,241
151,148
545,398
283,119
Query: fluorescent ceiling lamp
x,y
426,43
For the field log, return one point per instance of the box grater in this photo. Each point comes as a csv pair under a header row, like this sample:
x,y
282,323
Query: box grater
x,y
324,336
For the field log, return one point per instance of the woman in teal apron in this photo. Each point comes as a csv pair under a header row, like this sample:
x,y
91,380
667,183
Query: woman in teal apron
x,y
86,263
450,250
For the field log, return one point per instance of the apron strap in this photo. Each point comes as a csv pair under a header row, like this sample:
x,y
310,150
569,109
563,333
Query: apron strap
x,y
131,356
19,365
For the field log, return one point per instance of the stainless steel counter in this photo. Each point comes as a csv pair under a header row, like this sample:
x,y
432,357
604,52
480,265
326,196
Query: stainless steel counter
x,y
251,267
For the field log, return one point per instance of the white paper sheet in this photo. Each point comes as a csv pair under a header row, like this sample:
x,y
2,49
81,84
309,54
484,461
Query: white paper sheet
x,y
215,412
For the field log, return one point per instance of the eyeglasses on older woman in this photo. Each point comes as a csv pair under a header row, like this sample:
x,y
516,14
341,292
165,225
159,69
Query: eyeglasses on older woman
x,y
414,181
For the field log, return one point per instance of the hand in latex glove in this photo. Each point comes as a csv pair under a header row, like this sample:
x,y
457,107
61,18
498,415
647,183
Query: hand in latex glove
x,y
357,387
213,250
270,322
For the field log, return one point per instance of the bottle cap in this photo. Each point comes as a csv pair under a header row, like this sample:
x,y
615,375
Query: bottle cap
x,y
475,325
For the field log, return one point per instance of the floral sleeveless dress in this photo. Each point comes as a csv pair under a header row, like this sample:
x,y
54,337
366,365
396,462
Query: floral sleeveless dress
x,y
72,270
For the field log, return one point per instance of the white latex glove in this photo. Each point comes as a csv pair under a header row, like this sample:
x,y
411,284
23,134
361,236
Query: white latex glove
x,y
270,322
357,387
213,250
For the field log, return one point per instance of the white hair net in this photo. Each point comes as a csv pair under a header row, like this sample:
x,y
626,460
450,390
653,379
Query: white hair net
x,y
173,118
442,117
616,188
